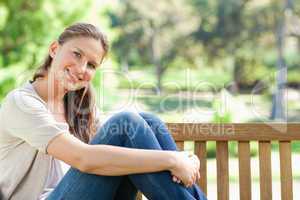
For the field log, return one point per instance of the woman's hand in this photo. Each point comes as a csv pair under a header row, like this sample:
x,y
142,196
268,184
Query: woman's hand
x,y
186,169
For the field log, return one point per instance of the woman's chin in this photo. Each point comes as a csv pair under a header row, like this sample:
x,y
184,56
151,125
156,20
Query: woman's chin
x,y
74,87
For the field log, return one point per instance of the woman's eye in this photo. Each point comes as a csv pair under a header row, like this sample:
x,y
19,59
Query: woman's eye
x,y
91,65
77,54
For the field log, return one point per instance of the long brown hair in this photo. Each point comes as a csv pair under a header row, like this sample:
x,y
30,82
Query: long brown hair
x,y
80,104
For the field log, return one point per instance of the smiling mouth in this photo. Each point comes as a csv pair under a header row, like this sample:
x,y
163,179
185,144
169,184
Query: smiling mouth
x,y
71,76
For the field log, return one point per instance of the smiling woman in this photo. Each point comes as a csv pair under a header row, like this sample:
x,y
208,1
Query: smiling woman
x,y
54,118
78,51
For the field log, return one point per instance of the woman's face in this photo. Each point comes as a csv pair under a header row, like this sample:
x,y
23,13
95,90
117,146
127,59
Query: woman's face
x,y
74,63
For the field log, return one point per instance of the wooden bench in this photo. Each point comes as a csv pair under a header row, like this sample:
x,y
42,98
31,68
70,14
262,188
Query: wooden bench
x,y
200,133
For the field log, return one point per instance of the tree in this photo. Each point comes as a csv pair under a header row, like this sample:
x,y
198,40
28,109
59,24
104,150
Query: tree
x,y
241,30
153,32
26,28
279,103
235,29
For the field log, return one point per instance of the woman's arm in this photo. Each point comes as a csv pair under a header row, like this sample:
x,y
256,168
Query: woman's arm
x,y
107,159
113,160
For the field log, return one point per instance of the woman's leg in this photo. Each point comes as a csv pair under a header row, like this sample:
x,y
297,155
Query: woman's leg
x,y
164,139
76,185
160,131
129,130
167,142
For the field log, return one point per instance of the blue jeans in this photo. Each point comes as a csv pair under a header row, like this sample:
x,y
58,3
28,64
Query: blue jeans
x,y
132,130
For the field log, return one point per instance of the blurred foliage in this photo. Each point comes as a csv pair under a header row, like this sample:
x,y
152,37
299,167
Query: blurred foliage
x,y
211,149
177,79
179,45
242,30
236,35
295,146
220,116
233,149
26,29
154,36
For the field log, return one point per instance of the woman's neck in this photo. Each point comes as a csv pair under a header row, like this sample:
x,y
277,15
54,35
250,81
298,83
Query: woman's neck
x,y
52,96
50,91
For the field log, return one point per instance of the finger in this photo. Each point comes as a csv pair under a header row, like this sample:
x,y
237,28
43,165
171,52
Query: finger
x,y
190,184
190,181
187,184
198,175
178,180
191,154
197,164
196,159
174,179
194,178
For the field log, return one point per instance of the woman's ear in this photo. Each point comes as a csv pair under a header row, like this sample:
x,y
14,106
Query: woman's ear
x,y
53,48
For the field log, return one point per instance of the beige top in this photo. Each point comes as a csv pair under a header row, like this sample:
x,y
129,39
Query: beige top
x,y
55,174
26,128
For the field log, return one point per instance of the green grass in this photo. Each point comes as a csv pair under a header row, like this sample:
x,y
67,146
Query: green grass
x,y
208,79
161,104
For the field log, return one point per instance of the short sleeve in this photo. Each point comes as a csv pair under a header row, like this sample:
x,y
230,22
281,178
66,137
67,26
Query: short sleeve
x,y
27,117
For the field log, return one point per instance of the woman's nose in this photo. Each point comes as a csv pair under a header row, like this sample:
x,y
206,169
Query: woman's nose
x,y
81,69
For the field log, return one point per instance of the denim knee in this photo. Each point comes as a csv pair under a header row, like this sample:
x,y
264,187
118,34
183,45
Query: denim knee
x,y
154,122
127,115
129,122
122,123
151,118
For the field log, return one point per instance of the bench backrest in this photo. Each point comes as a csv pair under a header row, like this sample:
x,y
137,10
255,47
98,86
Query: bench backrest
x,y
200,133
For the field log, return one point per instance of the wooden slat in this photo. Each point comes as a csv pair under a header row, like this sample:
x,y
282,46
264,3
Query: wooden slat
x,y
222,171
235,131
180,145
200,151
286,171
244,170
265,173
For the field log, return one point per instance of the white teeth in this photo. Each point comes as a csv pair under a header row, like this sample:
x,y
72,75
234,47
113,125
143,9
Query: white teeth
x,y
75,84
